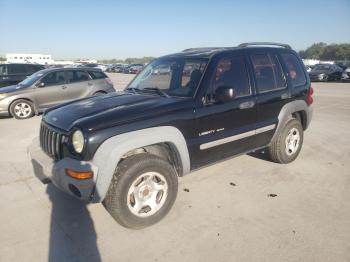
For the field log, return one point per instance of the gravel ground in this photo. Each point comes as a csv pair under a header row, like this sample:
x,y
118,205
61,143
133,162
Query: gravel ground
x,y
222,213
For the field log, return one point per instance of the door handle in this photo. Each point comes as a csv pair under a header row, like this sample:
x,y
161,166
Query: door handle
x,y
90,84
64,87
246,105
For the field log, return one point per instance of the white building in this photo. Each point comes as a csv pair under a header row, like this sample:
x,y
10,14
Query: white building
x,y
29,58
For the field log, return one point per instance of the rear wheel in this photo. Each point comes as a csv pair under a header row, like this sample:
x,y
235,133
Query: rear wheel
x,y
142,191
287,144
22,109
99,93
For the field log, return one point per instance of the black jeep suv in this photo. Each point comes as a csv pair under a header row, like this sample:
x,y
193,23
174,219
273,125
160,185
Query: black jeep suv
x,y
128,149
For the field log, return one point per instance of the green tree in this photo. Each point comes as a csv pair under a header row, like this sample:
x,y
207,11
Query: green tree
x,y
322,51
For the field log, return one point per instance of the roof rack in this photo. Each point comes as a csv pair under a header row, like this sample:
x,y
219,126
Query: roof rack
x,y
201,49
264,44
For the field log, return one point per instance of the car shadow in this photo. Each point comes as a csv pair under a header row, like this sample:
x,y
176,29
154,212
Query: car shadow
x,y
72,233
261,154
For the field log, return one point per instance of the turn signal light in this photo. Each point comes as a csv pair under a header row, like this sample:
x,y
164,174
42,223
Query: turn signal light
x,y
79,175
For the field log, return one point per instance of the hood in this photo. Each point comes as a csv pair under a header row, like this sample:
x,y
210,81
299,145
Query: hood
x,y
10,89
99,112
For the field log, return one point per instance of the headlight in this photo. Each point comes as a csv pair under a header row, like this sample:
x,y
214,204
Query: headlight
x,y
2,96
78,141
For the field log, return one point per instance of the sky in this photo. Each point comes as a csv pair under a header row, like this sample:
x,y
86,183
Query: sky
x,y
105,29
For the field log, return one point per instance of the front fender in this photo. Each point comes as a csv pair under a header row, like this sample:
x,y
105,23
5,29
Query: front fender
x,y
109,154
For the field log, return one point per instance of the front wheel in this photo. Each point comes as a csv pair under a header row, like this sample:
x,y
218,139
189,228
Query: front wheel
x,y
287,144
22,109
142,191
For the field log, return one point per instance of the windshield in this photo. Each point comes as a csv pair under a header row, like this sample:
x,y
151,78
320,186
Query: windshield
x,y
322,67
170,76
32,79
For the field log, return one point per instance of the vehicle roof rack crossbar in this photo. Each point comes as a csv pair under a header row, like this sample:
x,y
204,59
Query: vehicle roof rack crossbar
x,y
201,49
265,44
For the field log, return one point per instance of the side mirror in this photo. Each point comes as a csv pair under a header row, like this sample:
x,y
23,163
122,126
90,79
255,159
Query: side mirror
x,y
224,94
40,84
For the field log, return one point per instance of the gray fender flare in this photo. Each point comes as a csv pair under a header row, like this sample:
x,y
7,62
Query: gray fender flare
x,y
290,108
111,151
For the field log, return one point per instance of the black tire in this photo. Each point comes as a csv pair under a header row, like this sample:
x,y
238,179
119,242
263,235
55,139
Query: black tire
x,y
99,93
28,109
278,149
125,174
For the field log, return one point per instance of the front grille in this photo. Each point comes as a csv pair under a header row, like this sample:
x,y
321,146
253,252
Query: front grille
x,y
51,142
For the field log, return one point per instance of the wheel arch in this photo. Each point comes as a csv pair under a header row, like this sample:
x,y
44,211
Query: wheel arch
x,y
165,141
22,98
298,109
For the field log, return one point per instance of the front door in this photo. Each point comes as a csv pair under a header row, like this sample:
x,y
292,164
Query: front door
x,y
225,128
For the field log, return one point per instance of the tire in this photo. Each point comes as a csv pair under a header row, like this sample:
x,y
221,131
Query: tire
x,y
22,109
99,93
131,173
280,150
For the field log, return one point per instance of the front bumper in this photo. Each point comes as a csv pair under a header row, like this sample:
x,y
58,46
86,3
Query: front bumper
x,y
48,170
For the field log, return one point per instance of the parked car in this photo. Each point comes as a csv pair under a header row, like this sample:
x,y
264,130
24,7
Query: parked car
x,y
128,149
346,74
135,69
308,68
50,87
11,74
326,72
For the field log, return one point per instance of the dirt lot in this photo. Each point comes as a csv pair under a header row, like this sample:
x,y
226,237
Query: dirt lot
x,y
226,215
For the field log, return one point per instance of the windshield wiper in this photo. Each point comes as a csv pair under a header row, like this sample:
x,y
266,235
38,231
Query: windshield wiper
x,y
158,90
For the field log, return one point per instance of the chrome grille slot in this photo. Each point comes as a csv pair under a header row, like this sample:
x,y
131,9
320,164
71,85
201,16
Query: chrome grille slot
x,y
51,142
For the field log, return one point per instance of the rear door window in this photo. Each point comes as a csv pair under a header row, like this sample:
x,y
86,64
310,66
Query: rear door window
x,y
268,72
77,76
32,69
97,75
54,78
294,68
16,69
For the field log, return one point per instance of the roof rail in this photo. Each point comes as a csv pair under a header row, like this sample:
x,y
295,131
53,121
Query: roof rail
x,y
201,49
264,43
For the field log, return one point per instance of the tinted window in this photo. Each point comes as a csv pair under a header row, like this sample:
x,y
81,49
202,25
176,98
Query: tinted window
x,y
268,72
97,75
231,71
3,70
32,68
295,71
77,76
54,78
16,69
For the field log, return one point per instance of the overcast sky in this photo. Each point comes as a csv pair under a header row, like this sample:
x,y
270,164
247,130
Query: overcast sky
x,y
99,29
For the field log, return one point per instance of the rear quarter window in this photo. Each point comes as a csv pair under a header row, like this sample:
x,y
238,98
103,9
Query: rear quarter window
x,y
294,68
97,75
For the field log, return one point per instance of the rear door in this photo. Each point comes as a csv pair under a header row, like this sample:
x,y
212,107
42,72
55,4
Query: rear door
x,y
272,92
52,92
225,129
78,85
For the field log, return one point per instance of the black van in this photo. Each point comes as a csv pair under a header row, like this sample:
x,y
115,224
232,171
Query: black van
x,y
11,74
